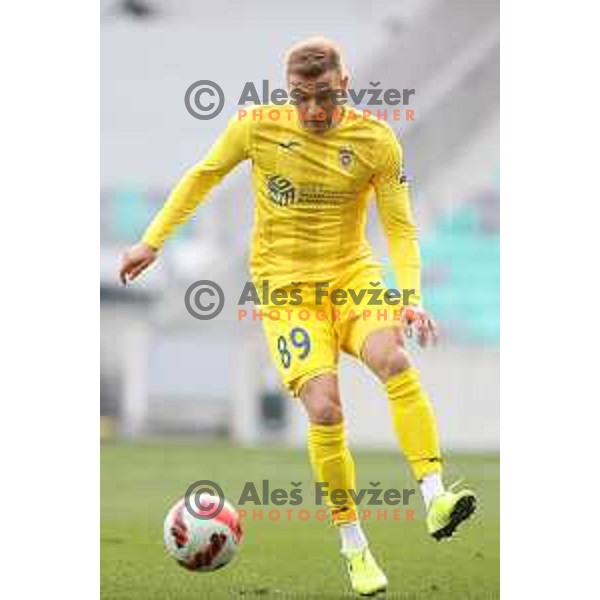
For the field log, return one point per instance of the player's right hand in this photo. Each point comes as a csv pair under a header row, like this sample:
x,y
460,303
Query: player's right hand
x,y
136,260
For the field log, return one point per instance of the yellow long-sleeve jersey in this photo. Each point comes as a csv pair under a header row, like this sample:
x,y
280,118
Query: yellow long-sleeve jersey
x,y
311,195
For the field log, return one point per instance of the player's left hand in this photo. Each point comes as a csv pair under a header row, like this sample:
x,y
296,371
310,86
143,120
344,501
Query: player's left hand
x,y
416,319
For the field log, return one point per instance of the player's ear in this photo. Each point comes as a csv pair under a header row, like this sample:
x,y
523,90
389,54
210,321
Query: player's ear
x,y
344,81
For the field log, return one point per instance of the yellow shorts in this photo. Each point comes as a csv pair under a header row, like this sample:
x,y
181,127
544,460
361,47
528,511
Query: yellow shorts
x,y
307,330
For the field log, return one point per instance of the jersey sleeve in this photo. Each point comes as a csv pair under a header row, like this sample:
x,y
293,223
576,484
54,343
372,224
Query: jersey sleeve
x,y
231,148
394,208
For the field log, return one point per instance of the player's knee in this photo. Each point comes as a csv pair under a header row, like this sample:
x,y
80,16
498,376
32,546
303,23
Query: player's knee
x,y
321,399
390,363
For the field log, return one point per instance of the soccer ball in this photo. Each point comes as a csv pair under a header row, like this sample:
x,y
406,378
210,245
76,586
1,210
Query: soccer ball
x,y
204,537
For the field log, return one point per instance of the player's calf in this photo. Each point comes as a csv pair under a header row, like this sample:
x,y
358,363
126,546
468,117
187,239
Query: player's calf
x,y
328,450
333,465
415,427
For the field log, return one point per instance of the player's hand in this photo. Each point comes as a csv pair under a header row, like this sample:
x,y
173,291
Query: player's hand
x,y
136,260
416,319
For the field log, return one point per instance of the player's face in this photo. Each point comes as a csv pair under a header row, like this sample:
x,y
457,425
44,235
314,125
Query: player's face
x,y
313,98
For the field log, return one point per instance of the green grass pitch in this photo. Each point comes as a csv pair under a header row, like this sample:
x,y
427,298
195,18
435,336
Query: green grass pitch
x,y
285,559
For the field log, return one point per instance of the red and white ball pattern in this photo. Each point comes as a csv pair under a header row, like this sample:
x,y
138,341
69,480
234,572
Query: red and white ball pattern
x,y
202,544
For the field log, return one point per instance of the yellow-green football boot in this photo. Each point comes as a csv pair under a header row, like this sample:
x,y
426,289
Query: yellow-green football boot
x,y
448,510
365,575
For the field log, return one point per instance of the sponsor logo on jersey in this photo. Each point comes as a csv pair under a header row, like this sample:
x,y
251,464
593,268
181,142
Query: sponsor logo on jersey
x,y
280,190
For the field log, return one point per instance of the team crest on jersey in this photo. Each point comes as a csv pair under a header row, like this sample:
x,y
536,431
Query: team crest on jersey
x,y
280,190
346,157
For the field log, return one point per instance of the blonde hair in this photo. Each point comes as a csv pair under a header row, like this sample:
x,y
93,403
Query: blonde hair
x,y
313,57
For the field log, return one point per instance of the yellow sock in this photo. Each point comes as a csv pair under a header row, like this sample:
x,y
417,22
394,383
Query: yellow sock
x,y
414,423
332,463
